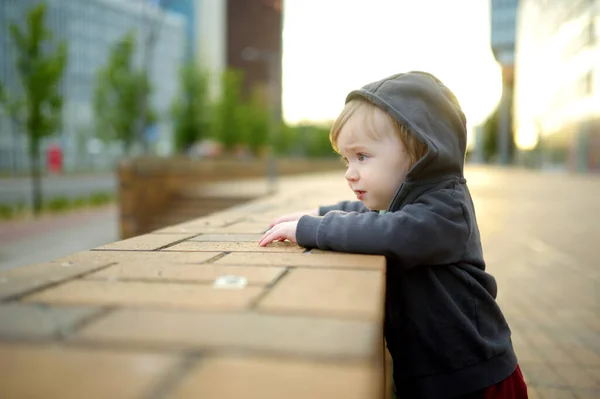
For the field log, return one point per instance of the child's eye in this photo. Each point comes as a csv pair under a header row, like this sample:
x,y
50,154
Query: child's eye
x,y
361,157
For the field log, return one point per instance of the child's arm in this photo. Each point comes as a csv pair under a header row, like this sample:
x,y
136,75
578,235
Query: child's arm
x,y
294,216
431,231
344,206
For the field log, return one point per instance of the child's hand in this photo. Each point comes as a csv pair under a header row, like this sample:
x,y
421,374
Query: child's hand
x,y
280,232
294,216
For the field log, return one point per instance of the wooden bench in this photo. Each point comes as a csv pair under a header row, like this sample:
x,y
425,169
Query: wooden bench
x,y
199,310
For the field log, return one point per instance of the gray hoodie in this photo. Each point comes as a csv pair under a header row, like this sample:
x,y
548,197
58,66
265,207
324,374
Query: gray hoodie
x,y
443,327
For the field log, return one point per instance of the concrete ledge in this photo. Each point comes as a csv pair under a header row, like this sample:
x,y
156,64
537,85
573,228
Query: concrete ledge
x,y
199,310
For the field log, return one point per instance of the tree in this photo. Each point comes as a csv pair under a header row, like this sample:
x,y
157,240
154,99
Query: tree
x,y
256,124
13,109
490,134
190,110
287,141
40,67
227,119
120,86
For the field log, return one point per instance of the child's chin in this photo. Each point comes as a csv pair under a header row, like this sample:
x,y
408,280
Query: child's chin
x,y
367,206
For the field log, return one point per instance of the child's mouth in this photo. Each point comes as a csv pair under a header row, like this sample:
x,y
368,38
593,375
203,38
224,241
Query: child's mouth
x,y
360,194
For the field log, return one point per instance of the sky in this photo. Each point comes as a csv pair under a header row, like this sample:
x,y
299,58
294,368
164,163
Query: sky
x,y
331,47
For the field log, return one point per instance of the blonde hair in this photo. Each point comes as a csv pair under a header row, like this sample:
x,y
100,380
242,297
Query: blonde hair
x,y
414,147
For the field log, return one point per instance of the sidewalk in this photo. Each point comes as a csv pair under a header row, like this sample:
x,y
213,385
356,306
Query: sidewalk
x,y
541,234
24,242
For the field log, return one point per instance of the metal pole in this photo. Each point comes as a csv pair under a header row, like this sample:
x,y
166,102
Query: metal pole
x,y
274,123
504,133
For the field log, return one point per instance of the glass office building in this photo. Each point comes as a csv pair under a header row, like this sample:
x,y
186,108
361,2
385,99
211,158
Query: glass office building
x,y
557,97
90,28
502,39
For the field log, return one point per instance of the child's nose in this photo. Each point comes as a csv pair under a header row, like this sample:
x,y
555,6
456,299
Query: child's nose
x,y
351,174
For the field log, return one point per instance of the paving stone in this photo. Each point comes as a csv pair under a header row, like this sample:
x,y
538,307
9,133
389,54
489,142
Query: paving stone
x,y
553,354
305,260
108,257
339,293
583,355
18,320
146,242
587,394
287,247
541,375
227,238
205,273
22,280
184,228
594,372
577,377
36,372
283,334
244,228
274,378
106,293
204,224
550,393
527,353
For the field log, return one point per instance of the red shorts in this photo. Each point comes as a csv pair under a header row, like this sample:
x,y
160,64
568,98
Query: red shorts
x,y
513,387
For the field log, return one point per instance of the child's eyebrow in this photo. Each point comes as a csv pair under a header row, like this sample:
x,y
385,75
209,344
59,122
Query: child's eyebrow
x,y
354,148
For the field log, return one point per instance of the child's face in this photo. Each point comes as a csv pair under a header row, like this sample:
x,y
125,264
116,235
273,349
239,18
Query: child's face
x,y
376,167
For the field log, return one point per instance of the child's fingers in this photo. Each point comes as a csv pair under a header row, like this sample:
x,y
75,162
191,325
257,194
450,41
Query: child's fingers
x,y
269,237
280,219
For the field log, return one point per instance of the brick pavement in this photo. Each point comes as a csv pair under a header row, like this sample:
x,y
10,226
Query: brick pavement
x,y
143,313
541,235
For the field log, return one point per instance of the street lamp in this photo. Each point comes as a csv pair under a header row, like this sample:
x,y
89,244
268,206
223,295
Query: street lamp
x,y
272,59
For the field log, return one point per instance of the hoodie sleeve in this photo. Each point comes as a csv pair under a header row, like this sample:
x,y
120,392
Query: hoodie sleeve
x,y
344,206
431,231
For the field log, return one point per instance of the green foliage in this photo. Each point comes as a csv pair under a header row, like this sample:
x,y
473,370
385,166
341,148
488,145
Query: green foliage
x,y
304,140
57,204
100,198
490,137
40,66
228,125
285,142
118,96
6,211
190,109
255,124
317,139
234,121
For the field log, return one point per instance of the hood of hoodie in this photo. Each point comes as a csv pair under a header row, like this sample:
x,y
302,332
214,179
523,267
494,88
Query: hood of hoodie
x,y
423,104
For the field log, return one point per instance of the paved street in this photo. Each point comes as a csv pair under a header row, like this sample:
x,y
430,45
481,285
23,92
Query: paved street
x,y
53,236
18,190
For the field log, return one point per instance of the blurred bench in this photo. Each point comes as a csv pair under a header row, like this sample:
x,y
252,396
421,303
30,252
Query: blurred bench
x,y
199,310
159,192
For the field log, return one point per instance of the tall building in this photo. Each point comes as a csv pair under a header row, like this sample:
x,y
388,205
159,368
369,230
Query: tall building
x,y
245,35
189,10
557,99
503,27
90,28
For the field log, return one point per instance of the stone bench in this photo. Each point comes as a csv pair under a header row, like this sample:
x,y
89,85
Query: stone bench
x,y
158,192
199,310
